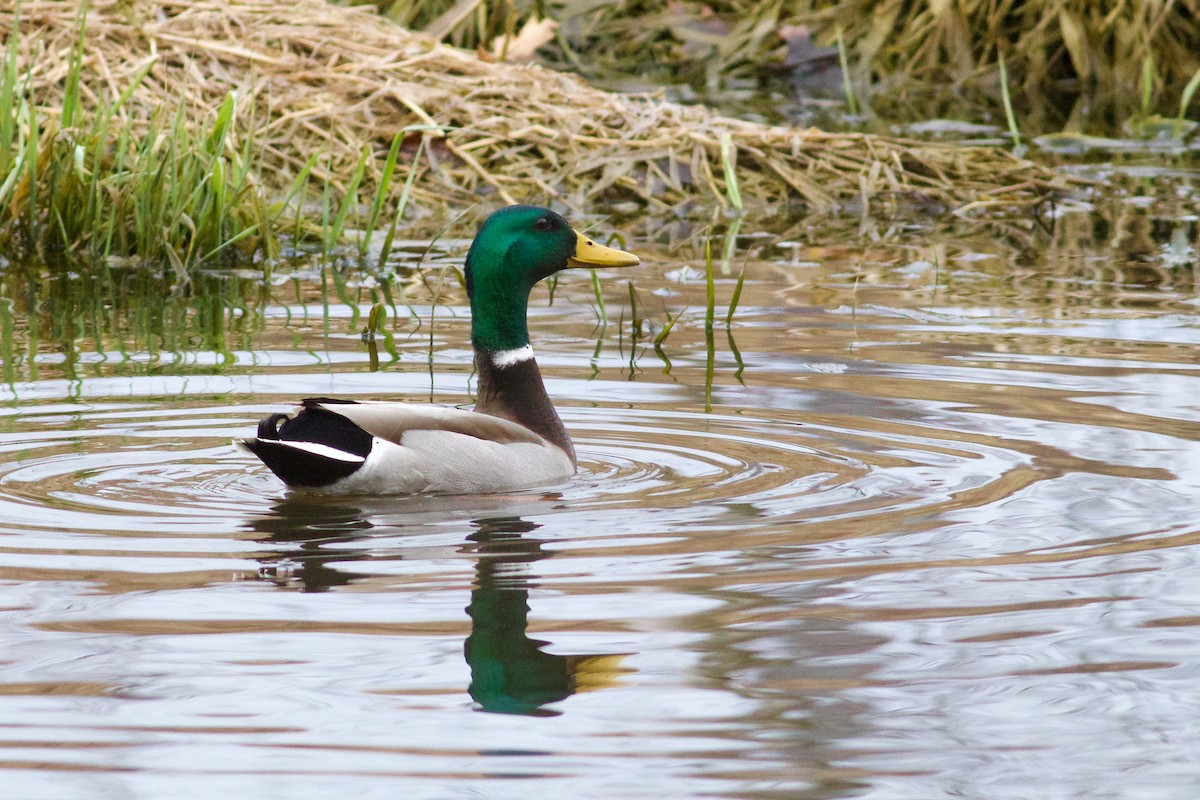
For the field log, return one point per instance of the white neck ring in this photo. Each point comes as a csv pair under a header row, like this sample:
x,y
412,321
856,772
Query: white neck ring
x,y
509,358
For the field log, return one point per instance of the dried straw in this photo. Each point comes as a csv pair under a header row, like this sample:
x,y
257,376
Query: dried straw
x,y
1103,44
318,78
900,42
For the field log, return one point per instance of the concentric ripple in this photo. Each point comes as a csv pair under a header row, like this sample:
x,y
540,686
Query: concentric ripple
x,y
781,467
162,470
145,469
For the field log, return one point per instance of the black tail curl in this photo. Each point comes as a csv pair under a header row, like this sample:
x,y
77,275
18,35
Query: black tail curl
x,y
315,425
269,428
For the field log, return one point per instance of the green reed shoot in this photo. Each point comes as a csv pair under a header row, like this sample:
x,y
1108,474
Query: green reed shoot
x,y
99,220
1189,92
661,338
733,304
333,235
601,312
635,321
109,226
386,251
375,322
326,211
71,89
1147,83
737,295
1006,98
709,368
854,300
8,127
711,296
709,314
847,83
730,248
663,357
214,143
8,357
729,163
381,192
344,295
298,184
737,357
257,218
385,291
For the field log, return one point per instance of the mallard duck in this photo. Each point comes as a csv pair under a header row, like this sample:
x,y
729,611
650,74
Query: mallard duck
x,y
513,439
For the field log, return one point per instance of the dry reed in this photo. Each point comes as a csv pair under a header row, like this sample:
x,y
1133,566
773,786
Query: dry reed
x,y
1105,44
898,42
318,78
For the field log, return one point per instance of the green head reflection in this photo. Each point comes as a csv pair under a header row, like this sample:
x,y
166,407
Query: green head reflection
x,y
510,672
326,545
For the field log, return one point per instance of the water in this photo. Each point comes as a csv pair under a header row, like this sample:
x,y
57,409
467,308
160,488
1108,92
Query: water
x,y
933,539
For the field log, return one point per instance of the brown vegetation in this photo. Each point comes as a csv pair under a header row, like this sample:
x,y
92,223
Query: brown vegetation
x,y
317,78
893,42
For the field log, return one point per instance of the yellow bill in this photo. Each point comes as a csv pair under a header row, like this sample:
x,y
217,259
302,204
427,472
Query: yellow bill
x,y
590,254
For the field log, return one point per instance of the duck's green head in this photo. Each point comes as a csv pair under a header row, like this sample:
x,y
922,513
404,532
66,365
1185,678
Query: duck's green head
x,y
515,248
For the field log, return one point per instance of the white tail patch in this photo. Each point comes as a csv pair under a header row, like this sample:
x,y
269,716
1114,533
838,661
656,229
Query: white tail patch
x,y
323,450
508,358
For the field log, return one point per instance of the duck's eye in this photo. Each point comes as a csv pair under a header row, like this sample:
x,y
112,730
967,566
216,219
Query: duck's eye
x,y
542,224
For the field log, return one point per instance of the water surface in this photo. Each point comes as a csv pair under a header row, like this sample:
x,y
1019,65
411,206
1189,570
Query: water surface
x,y
917,524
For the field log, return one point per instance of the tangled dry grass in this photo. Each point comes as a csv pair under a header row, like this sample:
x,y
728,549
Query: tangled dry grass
x,y
319,78
1104,43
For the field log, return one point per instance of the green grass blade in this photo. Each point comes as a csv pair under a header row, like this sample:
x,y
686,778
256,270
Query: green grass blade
x,y
216,221
666,331
600,309
11,179
729,163
847,83
349,199
710,362
737,295
214,143
31,164
70,103
326,211
1189,92
8,144
386,251
295,189
1147,83
662,338
381,192
239,236
102,119
711,296
635,320
737,357
1008,107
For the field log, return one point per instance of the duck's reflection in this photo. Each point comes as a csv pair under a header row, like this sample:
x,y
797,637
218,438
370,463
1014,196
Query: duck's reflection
x,y
311,528
510,672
